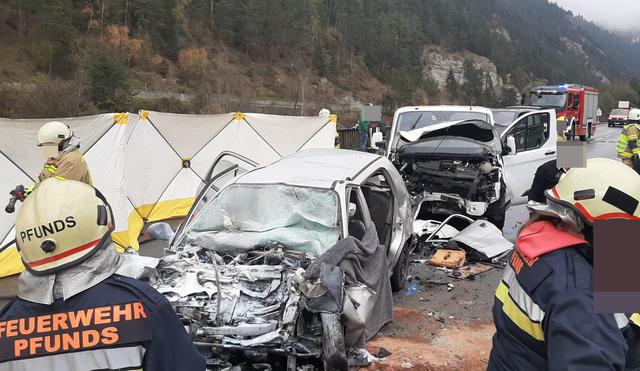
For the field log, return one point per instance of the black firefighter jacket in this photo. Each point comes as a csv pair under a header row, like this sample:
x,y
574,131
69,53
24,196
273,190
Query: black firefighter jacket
x,y
544,315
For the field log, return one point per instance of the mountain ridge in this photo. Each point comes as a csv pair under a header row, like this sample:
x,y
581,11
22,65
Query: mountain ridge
x,y
98,52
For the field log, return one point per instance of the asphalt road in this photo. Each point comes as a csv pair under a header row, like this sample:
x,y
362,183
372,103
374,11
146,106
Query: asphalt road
x,y
602,145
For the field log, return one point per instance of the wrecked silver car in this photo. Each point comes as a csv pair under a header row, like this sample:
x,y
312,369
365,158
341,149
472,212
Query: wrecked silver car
x,y
293,263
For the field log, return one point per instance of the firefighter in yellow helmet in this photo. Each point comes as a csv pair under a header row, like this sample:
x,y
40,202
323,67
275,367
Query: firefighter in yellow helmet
x,y
74,311
561,126
60,147
628,148
543,310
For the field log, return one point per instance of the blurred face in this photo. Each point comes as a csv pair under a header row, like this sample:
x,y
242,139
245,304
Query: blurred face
x,y
49,150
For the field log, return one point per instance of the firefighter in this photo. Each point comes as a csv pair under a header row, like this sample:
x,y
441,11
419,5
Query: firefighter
x,y
73,310
543,310
547,176
628,148
561,127
60,147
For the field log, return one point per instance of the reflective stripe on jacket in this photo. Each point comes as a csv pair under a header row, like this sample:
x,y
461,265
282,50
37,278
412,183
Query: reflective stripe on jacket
x,y
69,165
628,142
543,311
118,324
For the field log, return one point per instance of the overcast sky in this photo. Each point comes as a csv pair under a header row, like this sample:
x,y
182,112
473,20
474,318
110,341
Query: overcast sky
x,y
615,15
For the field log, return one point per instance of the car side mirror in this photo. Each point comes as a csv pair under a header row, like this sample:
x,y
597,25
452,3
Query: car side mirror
x,y
352,210
377,140
511,145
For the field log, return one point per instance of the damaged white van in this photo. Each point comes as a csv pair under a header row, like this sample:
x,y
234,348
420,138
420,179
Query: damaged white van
x,y
454,161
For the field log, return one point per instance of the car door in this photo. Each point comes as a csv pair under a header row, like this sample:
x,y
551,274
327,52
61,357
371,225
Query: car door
x,y
227,167
535,137
223,162
358,222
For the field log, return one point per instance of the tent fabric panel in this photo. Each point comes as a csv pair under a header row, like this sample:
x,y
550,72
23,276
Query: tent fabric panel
x,y
184,185
324,138
187,134
18,138
162,210
237,137
10,262
11,177
150,165
106,161
285,133
129,237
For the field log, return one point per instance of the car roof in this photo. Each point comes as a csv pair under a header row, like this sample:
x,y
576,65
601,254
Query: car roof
x,y
520,108
444,108
318,168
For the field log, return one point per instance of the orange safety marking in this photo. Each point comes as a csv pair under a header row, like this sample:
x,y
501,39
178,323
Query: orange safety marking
x,y
64,254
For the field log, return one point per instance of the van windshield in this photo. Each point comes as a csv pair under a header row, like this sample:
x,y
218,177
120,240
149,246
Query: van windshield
x,y
419,119
549,100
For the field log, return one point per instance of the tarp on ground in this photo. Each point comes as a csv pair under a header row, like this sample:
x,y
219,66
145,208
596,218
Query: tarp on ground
x,y
149,165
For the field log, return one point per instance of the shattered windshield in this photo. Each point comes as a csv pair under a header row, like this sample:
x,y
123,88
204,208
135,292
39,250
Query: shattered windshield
x,y
419,119
551,100
245,217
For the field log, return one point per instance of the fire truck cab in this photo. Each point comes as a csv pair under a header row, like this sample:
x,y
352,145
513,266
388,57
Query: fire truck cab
x,y
577,103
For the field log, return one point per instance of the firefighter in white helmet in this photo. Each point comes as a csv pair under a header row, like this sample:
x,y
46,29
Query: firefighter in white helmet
x,y
60,148
543,310
88,316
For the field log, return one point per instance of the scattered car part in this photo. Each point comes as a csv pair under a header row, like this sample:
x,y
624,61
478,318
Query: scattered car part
x,y
448,258
484,238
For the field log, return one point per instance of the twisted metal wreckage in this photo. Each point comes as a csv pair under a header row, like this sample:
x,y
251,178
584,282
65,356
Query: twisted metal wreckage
x,y
250,305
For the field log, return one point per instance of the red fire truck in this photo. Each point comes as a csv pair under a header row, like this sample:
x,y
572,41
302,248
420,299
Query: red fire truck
x,y
577,103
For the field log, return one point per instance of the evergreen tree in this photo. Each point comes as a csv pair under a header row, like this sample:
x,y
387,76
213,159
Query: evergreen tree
x,y
452,86
109,87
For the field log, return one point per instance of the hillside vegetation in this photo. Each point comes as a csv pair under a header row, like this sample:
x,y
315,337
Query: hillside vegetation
x,y
72,57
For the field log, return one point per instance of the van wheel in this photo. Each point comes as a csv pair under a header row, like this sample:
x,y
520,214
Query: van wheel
x,y
497,219
496,212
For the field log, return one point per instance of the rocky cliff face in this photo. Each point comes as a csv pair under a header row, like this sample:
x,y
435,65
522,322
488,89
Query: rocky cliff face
x,y
438,62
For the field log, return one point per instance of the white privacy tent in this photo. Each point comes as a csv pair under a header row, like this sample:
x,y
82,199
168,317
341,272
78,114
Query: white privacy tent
x,y
149,165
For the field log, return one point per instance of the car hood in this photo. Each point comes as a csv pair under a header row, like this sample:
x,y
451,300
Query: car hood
x,y
423,133
479,132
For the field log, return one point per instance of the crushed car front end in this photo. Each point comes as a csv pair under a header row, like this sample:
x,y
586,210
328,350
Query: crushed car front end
x,y
454,168
235,275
